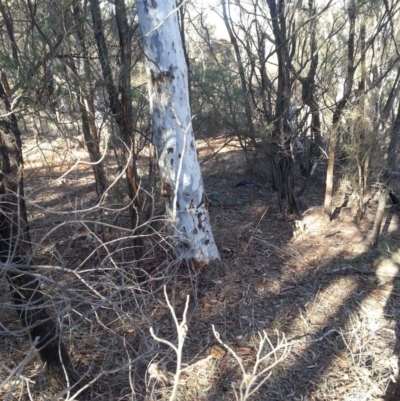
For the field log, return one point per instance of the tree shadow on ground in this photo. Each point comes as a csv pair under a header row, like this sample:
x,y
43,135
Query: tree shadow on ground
x,y
330,341
388,267
331,310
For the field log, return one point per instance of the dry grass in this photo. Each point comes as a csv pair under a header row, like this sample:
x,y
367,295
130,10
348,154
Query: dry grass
x,y
336,302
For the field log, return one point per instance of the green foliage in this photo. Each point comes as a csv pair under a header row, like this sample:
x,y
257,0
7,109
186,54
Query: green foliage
x,y
6,60
217,101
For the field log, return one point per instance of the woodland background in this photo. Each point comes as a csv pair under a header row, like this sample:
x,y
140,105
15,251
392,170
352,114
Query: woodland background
x,y
296,113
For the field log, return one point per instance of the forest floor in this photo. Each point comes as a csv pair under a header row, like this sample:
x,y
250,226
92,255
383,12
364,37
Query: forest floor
x,y
329,305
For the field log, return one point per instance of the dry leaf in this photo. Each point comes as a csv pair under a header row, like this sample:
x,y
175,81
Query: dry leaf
x,y
217,352
244,351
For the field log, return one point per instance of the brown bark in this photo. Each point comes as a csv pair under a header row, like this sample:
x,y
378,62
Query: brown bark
x,y
102,50
380,212
126,114
340,106
308,90
282,133
122,110
365,151
86,106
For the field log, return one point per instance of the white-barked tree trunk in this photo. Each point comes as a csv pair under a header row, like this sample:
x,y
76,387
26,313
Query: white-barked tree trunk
x,y
181,180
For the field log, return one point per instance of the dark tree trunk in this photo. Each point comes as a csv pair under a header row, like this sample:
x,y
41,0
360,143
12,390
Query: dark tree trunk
x,y
126,114
86,105
365,149
122,110
283,184
15,254
308,93
282,133
102,50
89,131
385,185
340,106
380,212
394,139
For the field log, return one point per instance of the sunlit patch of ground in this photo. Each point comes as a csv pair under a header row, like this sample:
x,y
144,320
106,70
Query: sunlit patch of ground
x,y
337,302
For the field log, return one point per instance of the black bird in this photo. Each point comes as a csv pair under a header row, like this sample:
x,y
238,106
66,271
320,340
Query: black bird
x,y
247,182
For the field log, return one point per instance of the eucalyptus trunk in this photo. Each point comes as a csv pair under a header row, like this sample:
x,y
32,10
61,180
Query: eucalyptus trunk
x,y
181,180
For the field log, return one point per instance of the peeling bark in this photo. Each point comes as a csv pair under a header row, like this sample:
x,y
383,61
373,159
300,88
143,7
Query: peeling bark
x,y
182,184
